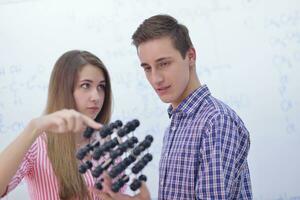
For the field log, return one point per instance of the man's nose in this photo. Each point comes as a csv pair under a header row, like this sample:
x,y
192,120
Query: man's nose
x,y
157,77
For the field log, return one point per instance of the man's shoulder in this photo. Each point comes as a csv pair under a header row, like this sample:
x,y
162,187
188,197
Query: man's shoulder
x,y
213,109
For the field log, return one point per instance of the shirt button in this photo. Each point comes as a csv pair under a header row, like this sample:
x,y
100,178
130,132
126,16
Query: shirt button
x,y
161,183
173,128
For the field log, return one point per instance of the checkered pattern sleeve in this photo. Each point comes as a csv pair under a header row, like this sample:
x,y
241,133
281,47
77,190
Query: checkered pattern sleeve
x,y
223,166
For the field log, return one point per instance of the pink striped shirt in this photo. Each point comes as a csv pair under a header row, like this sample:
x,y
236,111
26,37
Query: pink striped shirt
x,y
37,170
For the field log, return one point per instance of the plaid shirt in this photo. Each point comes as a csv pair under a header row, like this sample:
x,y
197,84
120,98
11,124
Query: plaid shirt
x,y
204,153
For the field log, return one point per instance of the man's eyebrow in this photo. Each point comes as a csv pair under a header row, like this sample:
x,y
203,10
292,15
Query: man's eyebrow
x,y
143,64
161,59
157,60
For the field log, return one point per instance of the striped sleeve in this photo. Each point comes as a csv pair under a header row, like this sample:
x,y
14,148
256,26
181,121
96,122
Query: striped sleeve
x,y
25,168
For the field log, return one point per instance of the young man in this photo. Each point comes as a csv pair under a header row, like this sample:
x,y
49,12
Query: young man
x,y
205,147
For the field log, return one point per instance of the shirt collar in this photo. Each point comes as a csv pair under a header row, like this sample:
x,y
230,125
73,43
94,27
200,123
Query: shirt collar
x,y
188,105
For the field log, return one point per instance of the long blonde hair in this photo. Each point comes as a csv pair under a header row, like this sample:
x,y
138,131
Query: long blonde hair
x,y
61,147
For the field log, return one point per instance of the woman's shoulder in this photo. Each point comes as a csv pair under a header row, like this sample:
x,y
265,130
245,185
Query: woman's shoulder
x,y
37,146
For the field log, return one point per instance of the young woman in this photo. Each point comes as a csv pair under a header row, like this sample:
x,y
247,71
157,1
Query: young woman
x,y
44,153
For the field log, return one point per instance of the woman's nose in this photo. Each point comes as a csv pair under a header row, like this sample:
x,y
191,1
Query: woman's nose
x,y
94,95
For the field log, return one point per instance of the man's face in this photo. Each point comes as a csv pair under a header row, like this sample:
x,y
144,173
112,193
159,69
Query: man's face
x,y
166,70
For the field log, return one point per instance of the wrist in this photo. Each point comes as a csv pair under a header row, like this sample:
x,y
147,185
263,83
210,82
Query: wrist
x,y
33,128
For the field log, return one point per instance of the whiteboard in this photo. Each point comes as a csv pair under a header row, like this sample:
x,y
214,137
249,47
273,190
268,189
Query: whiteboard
x,y
248,53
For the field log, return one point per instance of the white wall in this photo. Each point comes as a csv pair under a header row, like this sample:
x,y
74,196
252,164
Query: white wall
x,y
248,53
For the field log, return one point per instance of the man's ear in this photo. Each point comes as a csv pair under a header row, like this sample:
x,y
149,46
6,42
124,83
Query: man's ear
x,y
191,55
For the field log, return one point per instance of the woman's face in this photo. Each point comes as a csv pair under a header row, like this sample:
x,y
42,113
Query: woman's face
x,y
89,91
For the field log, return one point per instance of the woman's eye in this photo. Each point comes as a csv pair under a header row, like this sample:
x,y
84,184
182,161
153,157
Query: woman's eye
x,y
85,85
101,87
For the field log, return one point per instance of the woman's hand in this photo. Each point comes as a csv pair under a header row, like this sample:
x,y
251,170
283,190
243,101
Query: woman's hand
x,y
64,121
59,122
107,194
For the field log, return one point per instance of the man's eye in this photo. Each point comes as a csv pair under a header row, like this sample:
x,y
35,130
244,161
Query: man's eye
x,y
147,69
163,64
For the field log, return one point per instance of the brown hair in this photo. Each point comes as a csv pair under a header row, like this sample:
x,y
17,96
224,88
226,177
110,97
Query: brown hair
x,y
159,26
61,147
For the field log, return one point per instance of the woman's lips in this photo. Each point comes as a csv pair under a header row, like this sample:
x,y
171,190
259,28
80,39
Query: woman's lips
x,y
93,109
